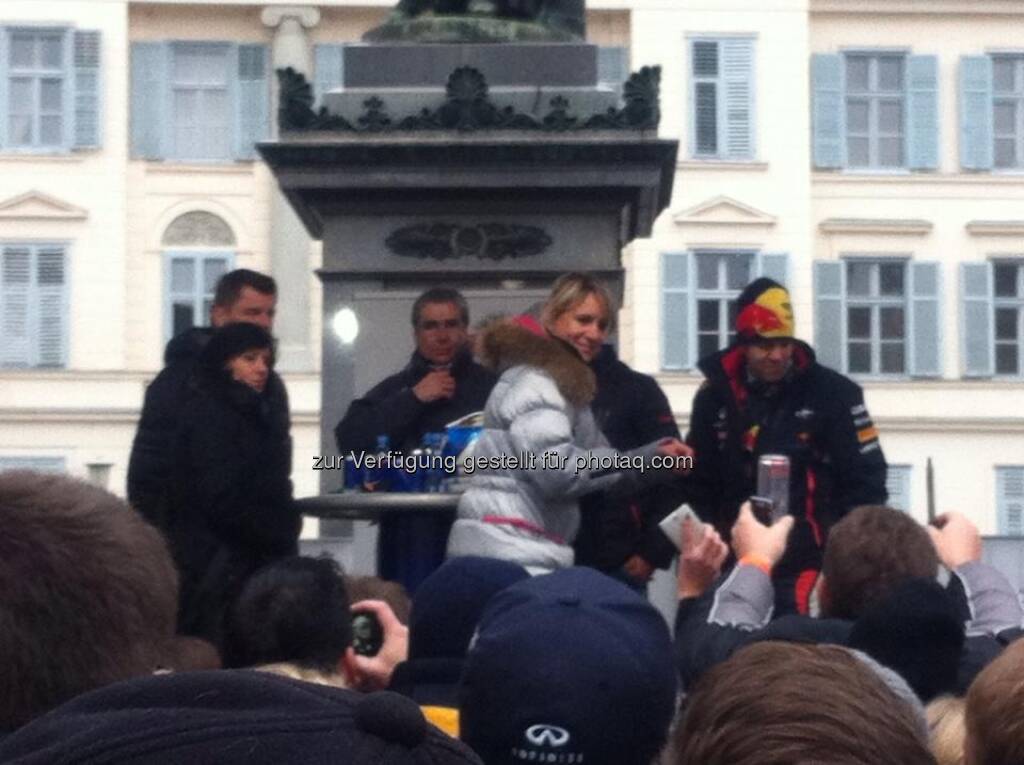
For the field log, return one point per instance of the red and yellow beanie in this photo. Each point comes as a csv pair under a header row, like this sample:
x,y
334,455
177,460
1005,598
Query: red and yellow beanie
x,y
765,312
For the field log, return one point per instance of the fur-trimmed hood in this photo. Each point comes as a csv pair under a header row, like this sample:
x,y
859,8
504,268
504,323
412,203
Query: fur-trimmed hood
x,y
504,345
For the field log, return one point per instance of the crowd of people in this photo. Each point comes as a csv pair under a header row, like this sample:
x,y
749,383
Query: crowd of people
x,y
183,624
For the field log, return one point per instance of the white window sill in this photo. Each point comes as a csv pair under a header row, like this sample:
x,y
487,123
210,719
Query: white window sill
x,y
35,157
183,167
712,163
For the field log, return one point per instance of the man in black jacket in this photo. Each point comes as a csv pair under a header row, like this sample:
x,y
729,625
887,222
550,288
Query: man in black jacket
x,y
441,383
766,394
240,296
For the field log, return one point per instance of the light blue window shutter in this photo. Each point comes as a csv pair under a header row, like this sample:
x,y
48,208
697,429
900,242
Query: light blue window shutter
x,y
87,89
149,93
52,312
830,313
923,112
827,112
977,334
253,123
15,296
1010,500
774,266
738,79
925,326
330,69
976,136
897,484
677,325
3,87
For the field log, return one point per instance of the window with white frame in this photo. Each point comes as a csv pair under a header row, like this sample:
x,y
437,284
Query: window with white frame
x,y
721,276
49,89
201,111
36,71
1008,111
1008,308
876,317
33,305
874,110
198,100
897,483
722,98
1010,500
198,250
699,291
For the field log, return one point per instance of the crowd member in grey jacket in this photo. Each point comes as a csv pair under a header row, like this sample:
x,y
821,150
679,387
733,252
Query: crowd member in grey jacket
x,y
540,450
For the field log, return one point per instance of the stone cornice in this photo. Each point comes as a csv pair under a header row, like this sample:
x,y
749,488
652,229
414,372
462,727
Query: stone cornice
x,y
307,15
995,227
906,226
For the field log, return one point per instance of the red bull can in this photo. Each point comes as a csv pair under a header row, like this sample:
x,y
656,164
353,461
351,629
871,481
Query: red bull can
x,y
773,483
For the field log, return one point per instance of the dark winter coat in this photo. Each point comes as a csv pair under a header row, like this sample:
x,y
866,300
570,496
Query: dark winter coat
x,y
631,410
817,418
149,467
232,509
391,409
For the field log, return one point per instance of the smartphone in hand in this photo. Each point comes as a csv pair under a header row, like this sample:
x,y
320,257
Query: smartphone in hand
x,y
672,526
367,633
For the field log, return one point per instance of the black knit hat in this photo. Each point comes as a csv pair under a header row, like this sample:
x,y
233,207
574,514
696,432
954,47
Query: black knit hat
x,y
233,716
232,340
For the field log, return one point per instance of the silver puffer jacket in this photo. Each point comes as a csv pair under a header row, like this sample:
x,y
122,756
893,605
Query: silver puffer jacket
x,y
540,449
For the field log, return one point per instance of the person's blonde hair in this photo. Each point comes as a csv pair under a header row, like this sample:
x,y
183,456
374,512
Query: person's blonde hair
x,y
946,729
571,289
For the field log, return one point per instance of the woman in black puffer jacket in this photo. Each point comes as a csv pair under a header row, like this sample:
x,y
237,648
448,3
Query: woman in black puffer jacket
x,y
233,509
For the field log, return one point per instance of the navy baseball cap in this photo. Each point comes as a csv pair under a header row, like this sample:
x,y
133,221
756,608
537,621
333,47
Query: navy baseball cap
x,y
569,667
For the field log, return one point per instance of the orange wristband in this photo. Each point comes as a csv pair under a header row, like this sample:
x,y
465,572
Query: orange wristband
x,y
753,559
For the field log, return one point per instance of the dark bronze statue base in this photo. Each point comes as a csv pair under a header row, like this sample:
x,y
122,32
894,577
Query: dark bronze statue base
x,y
465,29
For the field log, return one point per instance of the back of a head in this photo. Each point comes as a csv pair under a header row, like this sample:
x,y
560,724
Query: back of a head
x,y
230,285
568,667
231,717
449,603
375,588
796,704
869,552
295,610
88,593
946,729
995,725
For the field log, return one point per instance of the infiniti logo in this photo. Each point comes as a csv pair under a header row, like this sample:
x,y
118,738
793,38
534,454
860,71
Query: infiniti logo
x,y
547,735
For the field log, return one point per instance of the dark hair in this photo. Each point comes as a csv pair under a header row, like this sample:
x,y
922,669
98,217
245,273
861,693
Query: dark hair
x,y
375,588
230,285
441,295
294,610
992,714
230,341
88,593
869,553
787,702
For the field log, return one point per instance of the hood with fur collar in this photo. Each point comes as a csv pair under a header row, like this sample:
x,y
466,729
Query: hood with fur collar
x,y
505,345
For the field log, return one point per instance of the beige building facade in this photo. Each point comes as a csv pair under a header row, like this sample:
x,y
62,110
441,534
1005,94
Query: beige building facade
x,y
838,146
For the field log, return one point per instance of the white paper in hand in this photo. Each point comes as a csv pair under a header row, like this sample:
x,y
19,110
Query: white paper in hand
x,y
672,525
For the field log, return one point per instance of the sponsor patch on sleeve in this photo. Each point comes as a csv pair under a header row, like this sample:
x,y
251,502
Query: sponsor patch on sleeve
x,y
865,435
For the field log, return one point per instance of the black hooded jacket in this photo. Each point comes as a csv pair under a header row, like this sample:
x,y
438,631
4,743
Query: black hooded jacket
x,y
149,467
815,416
231,508
631,410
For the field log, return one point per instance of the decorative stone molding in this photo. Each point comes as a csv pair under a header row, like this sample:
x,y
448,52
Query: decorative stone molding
x,y
995,227
307,15
468,107
905,226
198,229
723,211
35,205
487,241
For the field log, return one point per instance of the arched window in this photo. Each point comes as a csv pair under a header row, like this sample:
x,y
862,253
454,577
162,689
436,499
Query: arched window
x,y
199,248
